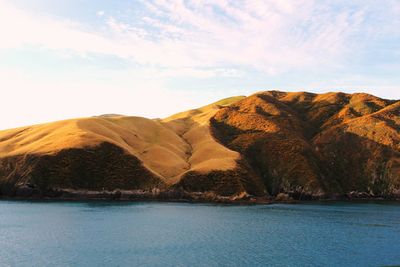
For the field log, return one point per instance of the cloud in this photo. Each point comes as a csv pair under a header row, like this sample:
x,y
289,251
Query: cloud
x,y
268,36
174,55
19,28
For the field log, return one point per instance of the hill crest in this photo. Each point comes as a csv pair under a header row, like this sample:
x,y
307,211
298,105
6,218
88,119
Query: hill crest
x,y
269,143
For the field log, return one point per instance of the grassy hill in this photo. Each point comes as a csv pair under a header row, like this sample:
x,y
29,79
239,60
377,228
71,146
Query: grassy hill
x,y
301,144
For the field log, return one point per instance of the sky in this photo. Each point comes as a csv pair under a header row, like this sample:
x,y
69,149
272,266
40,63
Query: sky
x,y
63,59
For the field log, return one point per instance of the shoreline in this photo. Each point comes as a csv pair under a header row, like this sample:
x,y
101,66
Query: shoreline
x,y
180,196
194,202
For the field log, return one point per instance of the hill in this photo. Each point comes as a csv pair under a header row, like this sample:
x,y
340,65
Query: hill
x,y
299,145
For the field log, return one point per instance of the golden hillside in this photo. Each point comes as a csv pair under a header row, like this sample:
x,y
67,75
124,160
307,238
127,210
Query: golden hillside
x,y
302,144
316,144
168,148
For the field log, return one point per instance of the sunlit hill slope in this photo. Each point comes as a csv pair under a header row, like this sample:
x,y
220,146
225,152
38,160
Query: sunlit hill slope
x,y
296,145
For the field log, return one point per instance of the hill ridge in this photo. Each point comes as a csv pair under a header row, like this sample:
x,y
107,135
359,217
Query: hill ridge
x,y
300,144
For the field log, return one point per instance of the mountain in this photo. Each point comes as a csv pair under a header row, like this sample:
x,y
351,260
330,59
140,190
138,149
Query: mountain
x,y
270,144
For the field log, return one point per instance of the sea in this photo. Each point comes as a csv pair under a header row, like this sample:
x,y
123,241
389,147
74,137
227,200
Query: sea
x,y
102,233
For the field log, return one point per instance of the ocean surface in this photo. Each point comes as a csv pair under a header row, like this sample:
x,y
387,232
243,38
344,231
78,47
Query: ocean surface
x,y
175,234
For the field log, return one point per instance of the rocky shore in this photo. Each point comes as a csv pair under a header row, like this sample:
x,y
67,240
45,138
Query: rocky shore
x,y
180,195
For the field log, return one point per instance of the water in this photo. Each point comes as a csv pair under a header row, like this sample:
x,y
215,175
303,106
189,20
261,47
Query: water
x,y
170,234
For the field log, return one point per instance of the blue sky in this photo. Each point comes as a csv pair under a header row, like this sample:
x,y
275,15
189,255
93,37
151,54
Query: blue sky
x,y
75,58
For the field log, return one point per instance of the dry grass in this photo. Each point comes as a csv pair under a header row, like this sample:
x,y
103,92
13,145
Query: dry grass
x,y
205,154
168,148
308,142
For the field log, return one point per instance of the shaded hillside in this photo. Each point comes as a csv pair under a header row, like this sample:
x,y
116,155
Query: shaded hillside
x,y
103,167
309,145
302,144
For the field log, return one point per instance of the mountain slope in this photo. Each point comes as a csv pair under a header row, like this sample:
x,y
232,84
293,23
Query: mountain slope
x,y
302,144
311,145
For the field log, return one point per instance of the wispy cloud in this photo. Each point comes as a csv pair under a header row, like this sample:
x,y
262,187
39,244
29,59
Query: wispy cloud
x,y
171,55
271,36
